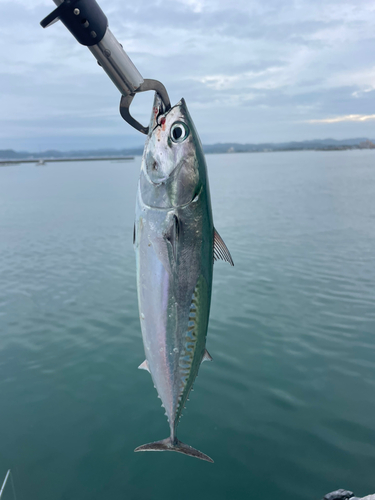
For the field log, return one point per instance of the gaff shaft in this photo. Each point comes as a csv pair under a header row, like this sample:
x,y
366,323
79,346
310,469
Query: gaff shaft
x,y
89,25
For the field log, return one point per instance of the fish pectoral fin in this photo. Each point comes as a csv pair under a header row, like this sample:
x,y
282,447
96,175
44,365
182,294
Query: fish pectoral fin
x,y
220,249
207,356
144,366
173,234
176,445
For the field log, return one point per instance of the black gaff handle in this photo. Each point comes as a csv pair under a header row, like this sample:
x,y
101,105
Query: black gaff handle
x,y
83,18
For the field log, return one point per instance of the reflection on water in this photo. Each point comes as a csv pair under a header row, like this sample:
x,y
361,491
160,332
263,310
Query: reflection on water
x,y
287,408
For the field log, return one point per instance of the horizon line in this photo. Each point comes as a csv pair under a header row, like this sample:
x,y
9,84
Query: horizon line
x,y
204,145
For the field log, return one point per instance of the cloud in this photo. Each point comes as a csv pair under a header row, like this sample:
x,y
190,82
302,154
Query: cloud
x,y
252,71
346,118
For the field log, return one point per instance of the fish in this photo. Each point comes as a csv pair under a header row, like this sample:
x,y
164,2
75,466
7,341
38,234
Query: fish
x,y
175,245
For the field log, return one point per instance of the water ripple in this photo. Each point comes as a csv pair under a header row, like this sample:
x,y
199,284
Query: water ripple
x,y
287,407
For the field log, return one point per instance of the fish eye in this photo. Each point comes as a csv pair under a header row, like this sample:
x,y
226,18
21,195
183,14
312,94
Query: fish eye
x,y
179,132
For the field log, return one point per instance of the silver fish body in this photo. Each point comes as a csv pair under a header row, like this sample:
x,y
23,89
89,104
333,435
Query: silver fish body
x,y
174,244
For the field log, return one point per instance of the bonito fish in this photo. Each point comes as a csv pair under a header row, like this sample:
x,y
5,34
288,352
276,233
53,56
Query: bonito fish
x,y
175,244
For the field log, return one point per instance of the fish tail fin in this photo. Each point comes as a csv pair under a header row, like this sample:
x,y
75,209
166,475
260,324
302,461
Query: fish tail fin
x,y
176,445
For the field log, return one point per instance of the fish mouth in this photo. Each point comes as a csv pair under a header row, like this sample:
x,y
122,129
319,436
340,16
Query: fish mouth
x,y
160,117
156,193
153,166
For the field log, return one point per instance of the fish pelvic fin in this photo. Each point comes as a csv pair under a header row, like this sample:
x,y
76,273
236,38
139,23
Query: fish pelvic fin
x,y
207,356
174,445
144,366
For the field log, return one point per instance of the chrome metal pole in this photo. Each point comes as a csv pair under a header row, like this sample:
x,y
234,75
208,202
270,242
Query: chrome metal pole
x,y
116,63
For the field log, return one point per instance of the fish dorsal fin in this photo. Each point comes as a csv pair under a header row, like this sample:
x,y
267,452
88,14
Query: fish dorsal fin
x,y
220,249
144,366
206,356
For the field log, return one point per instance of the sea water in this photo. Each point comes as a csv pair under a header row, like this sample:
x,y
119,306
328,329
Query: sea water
x,y
287,407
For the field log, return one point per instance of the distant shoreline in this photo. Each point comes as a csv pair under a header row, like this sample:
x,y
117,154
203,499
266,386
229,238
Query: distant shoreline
x,y
10,156
43,161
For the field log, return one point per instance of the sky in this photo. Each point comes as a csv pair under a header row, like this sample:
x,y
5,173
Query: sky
x,y
252,72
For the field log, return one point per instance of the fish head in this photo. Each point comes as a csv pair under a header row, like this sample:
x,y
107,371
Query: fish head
x,y
173,167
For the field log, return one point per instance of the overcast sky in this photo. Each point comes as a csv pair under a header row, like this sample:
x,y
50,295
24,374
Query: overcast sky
x,y
258,71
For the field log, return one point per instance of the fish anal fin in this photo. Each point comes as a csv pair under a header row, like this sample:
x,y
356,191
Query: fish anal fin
x,y
144,366
207,356
176,445
220,249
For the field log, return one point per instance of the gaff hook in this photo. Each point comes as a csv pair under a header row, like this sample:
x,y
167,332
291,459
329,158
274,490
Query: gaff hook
x,y
127,100
89,25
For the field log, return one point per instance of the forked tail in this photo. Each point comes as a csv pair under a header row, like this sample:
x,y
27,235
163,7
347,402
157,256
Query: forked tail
x,y
175,445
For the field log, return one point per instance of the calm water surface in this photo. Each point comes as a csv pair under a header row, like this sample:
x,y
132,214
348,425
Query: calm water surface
x,y
287,408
